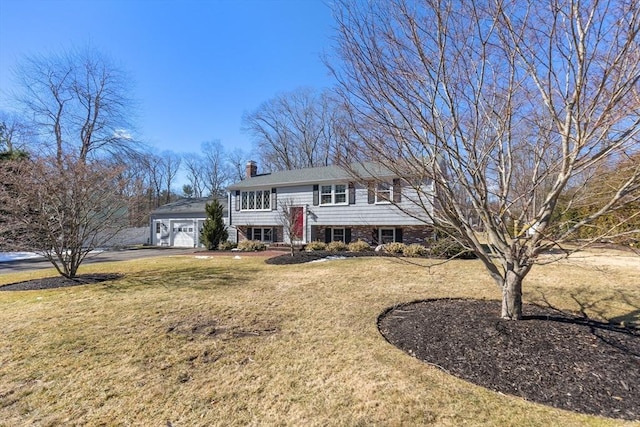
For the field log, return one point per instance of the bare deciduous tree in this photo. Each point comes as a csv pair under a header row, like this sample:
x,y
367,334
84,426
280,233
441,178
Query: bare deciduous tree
x,y
71,199
294,130
170,164
196,175
209,172
290,217
509,106
162,170
78,101
15,134
63,212
216,168
237,163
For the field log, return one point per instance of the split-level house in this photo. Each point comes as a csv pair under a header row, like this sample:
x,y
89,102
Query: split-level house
x,y
179,224
330,203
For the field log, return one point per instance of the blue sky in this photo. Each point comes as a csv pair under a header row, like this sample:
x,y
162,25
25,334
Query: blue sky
x,y
197,65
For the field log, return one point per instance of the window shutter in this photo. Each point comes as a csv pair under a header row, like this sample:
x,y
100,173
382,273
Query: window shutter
x,y
274,233
347,235
316,195
397,190
274,200
374,236
237,200
327,235
399,235
352,193
249,233
371,193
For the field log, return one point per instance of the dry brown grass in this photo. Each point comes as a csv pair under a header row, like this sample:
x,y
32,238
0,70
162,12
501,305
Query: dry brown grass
x,y
222,341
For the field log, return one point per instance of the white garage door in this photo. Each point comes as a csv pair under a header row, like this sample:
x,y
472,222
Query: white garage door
x,y
183,234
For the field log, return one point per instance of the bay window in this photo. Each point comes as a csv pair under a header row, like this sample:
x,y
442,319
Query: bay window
x,y
259,200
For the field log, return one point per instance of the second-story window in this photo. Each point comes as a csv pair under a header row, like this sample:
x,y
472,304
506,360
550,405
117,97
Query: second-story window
x,y
383,192
340,194
326,196
256,200
333,194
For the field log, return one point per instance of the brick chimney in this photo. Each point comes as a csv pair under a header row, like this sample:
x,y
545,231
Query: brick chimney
x,y
252,169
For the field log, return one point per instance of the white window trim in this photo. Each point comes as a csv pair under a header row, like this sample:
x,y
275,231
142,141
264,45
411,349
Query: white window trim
x,y
262,230
333,229
381,201
333,195
386,229
247,209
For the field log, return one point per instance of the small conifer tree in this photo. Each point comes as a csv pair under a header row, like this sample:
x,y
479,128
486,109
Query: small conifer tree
x,y
213,231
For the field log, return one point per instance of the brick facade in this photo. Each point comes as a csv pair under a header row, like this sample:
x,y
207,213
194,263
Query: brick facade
x,y
407,234
276,232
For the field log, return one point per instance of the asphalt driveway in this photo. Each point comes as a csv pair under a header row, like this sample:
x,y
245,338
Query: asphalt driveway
x,y
116,255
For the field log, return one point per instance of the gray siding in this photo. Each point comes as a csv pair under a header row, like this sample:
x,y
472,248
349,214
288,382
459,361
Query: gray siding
x,y
360,213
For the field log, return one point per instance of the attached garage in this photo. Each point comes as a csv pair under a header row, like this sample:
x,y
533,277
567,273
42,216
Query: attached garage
x,y
179,224
183,234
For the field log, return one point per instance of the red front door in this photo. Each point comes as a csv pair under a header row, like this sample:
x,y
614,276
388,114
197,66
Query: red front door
x,y
297,223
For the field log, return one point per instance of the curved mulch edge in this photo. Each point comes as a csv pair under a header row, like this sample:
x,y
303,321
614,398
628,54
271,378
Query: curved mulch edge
x,y
60,282
301,257
549,357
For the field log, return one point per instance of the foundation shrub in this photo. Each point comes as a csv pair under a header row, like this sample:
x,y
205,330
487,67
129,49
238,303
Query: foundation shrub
x,y
315,246
396,248
359,246
251,246
448,247
226,245
415,250
337,247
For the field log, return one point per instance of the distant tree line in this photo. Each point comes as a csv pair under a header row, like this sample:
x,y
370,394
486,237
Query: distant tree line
x,y
75,105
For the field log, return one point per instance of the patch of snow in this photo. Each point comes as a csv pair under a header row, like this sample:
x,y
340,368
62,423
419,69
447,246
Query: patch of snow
x,y
237,257
329,258
21,256
17,256
203,257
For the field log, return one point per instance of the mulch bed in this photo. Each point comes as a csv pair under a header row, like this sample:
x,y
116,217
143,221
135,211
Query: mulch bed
x,y
301,257
59,282
549,357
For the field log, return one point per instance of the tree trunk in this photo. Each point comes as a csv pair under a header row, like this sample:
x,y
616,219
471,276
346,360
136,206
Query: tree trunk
x,y
512,296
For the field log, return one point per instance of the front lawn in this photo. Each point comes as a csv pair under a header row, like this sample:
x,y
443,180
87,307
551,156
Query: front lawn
x,y
188,341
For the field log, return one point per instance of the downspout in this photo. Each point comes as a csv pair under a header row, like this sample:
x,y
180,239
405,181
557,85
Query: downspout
x,y
307,228
229,209
151,231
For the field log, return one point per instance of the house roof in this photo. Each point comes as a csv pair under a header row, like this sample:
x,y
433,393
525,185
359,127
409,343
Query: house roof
x,y
314,175
189,206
